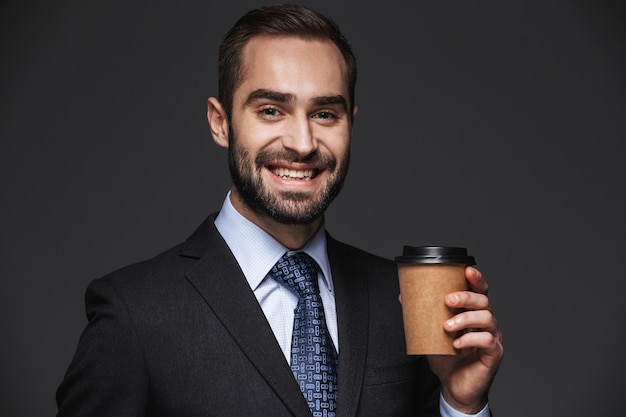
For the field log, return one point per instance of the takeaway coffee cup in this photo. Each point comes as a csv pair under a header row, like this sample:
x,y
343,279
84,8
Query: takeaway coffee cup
x,y
427,274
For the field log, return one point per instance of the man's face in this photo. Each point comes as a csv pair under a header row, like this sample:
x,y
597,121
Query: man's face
x,y
290,128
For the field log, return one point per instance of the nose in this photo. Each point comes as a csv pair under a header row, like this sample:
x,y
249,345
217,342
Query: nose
x,y
300,137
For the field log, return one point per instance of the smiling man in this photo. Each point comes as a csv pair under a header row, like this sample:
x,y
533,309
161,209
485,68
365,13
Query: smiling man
x,y
289,137
261,312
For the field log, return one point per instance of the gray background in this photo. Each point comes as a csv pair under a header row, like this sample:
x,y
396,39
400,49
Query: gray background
x,y
493,125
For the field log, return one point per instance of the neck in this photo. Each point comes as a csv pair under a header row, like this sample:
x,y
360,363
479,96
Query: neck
x,y
292,236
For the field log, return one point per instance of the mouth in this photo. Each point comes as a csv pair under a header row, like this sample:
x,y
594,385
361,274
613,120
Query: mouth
x,y
294,174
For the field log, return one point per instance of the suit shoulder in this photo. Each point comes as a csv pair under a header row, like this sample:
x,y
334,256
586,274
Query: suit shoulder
x,y
157,262
347,251
172,262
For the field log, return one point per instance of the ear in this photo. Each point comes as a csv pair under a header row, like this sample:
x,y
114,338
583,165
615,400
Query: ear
x,y
355,110
218,122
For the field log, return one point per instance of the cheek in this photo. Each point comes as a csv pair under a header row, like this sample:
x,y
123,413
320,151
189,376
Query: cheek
x,y
338,145
255,137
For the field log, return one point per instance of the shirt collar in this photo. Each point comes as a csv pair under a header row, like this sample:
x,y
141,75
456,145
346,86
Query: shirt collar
x,y
257,251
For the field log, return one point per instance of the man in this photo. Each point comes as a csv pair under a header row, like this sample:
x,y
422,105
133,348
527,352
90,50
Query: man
x,y
211,327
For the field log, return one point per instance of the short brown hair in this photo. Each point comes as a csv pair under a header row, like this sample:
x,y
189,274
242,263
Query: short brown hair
x,y
277,19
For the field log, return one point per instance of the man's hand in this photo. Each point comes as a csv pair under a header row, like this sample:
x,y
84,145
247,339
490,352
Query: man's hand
x,y
466,378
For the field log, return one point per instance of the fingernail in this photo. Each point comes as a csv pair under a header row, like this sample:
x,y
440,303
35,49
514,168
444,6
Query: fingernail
x,y
453,299
450,323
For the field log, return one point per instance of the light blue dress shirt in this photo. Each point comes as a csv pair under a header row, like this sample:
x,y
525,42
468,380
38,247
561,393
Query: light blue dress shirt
x,y
257,252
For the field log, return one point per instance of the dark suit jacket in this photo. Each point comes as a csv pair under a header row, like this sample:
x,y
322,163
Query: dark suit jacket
x,y
183,335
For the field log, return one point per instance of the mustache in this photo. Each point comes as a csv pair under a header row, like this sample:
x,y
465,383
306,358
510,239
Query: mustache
x,y
314,158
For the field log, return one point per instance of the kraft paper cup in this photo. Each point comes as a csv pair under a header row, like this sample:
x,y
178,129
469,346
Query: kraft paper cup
x,y
427,274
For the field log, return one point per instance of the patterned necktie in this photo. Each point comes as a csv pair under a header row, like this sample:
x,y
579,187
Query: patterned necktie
x,y
313,356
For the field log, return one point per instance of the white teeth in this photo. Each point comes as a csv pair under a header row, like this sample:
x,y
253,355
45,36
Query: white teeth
x,y
304,174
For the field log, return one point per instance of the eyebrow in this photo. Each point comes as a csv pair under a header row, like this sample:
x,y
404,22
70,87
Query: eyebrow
x,y
264,94
330,100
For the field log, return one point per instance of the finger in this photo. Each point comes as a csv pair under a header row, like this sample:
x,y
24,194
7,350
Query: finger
x,y
467,300
490,345
480,320
476,280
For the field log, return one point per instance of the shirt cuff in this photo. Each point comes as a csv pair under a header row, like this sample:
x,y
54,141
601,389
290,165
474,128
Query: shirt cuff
x,y
446,410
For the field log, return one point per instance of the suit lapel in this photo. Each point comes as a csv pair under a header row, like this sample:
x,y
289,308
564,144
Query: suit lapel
x,y
351,298
220,281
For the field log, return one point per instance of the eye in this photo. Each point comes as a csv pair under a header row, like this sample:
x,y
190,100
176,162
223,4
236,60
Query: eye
x,y
325,115
269,112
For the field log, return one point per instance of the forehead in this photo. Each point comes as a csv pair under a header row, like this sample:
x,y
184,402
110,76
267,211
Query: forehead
x,y
293,65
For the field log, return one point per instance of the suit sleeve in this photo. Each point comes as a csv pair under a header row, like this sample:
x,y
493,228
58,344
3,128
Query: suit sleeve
x,y
107,376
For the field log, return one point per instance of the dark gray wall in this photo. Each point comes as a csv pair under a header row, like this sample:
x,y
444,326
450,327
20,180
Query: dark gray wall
x,y
493,125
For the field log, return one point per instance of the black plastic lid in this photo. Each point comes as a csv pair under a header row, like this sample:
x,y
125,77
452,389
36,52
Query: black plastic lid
x,y
435,255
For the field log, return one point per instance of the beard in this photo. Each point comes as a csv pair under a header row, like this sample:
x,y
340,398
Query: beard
x,y
289,207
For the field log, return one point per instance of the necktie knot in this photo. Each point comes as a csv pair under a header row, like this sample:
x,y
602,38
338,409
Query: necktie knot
x,y
298,272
